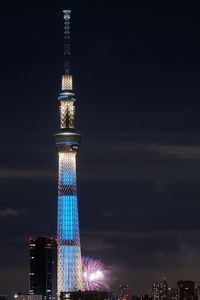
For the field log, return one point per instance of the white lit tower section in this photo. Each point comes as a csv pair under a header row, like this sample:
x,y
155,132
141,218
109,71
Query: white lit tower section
x,y
69,277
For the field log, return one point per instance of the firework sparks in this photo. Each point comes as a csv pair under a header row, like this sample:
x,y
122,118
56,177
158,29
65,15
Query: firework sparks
x,y
94,274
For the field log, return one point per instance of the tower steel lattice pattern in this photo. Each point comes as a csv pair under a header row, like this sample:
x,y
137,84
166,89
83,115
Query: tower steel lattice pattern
x,y
70,274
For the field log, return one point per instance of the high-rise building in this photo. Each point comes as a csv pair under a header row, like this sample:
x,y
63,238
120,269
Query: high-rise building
x,y
163,289
172,293
42,275
124,292
185,290
156,291
197,291
67,141
160,290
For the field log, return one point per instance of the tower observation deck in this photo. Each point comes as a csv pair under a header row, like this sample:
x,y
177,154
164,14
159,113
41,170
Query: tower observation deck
x,y
67,141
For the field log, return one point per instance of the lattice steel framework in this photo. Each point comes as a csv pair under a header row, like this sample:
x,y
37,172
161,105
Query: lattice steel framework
x,y
67,114
70,274
69,253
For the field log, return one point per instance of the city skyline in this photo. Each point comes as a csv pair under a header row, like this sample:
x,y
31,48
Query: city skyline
x,y
136,74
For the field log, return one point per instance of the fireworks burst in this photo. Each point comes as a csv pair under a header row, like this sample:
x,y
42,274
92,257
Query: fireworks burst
x,y
94,274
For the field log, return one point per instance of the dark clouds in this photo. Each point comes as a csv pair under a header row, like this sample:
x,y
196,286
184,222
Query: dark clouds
x,y
11,211
175,253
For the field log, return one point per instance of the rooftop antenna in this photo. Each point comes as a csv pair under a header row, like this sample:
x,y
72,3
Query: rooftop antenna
x,y
67,41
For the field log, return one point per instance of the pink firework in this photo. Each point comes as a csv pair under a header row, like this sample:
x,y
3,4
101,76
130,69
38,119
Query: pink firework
x,y
94,274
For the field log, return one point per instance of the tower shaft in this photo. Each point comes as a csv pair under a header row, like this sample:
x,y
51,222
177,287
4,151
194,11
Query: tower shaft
x,y
70,273
69,252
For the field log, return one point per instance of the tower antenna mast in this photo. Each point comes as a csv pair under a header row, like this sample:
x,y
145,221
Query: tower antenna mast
x,y
67,41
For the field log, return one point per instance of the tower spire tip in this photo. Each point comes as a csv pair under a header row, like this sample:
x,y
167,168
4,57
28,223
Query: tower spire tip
x,y
67,40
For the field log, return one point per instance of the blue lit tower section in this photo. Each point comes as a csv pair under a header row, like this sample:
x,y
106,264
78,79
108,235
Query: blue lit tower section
x,y
69,277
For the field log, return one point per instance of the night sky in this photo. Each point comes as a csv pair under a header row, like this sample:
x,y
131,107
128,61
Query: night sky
x,y
136,68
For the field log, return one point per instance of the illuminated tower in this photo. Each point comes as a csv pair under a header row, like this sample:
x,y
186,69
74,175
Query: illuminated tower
x,y
69,277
